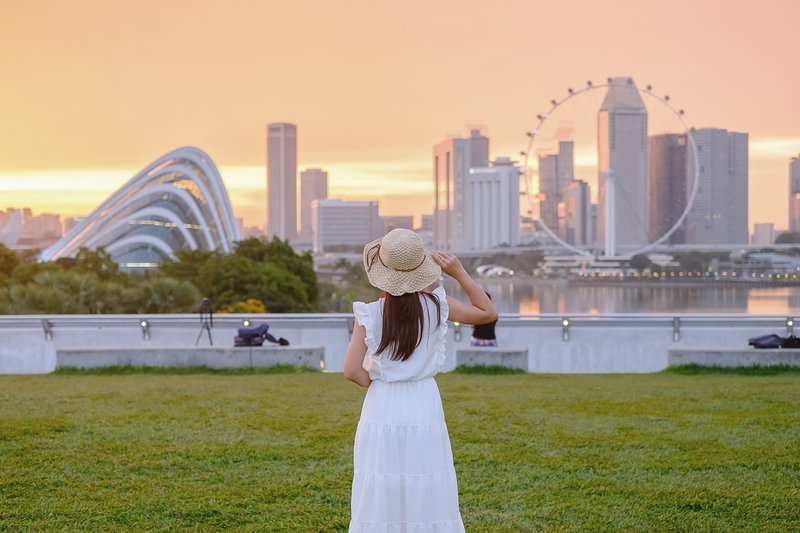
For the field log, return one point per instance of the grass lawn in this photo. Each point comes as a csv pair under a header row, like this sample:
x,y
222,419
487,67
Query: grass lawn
x,y
273,452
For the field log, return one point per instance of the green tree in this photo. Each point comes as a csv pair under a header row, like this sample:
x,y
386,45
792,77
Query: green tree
x,y
692,261
788,237
8,261
26,272
234,278
165,295
640,262
97,262
524,262
57,293
279,253
5,301
186,265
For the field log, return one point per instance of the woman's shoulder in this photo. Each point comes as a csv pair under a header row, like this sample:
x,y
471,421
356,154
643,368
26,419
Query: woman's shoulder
x,y
437,291
360,308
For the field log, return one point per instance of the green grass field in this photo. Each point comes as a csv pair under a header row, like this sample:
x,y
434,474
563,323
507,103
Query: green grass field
x,y
273,452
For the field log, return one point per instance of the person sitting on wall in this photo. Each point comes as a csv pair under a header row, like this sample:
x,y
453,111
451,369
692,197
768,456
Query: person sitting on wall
x,y
483,334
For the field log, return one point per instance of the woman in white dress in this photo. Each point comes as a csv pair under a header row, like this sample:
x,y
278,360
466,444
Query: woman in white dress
x,y
404,480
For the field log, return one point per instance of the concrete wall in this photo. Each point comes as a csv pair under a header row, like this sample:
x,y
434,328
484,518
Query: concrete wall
x,y
211,357
735,357
509,357
595,344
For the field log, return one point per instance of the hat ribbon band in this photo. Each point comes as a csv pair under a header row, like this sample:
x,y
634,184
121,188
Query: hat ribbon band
x,y
377,257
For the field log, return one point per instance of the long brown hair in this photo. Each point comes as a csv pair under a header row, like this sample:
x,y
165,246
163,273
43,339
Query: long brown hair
x,y
403,322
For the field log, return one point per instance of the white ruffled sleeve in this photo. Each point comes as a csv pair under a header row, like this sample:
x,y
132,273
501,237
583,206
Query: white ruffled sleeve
x,y
441,333
372,362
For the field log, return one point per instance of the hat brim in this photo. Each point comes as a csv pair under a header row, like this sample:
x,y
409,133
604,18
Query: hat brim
x,y
396,282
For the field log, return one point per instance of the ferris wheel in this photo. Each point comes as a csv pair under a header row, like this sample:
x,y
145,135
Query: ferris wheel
x,y
621,148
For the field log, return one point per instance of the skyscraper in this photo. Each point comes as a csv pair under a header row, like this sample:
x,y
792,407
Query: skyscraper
x,y
555,172
452,160
794,194
577,213
313,186
667,182
492,212
282,181
719,212
622,168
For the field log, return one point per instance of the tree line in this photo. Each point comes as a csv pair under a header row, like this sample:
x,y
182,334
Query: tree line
x,y
260,276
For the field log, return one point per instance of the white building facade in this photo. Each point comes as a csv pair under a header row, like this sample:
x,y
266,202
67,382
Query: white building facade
x,y
763,234
282,181
313,186
719,212
339,225
452,160
622,168
492,214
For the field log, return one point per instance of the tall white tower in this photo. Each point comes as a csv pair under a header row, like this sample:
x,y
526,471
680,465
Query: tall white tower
x,y
282,181
622,156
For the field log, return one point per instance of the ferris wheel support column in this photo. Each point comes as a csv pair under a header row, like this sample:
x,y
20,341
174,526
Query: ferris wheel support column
x,y
610,219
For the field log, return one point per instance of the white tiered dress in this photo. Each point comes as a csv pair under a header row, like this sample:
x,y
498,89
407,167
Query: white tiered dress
x,y
404,480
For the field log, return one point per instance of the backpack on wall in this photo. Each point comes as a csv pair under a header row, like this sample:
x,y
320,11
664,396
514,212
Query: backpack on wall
x,y
766,341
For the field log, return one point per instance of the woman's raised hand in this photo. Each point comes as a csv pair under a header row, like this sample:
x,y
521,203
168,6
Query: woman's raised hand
x,y
480,310
449,263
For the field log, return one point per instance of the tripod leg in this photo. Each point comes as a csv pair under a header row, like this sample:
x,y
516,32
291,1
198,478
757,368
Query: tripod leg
x,y
198,337
210,340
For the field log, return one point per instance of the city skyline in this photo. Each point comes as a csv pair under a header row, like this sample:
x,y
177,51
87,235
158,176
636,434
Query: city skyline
x,y
78,114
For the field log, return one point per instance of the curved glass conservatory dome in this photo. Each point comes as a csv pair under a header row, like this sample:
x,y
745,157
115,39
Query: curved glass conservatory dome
x,y
177,202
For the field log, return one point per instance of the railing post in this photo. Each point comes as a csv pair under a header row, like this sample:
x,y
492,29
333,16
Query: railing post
x,y
47,326
145,325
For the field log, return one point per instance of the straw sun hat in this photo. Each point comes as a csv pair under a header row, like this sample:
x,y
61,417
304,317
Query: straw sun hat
x,y
398,263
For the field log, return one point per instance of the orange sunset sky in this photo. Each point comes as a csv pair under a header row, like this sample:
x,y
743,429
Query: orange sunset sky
x,y
91,91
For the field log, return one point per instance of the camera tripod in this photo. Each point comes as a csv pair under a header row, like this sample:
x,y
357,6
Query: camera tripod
x,y
206,321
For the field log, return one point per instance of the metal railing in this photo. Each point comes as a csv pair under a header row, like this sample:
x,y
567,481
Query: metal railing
x,y
51,323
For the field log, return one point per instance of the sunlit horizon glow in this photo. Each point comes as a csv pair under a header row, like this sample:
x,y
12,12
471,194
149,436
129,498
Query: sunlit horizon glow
x,y
94,93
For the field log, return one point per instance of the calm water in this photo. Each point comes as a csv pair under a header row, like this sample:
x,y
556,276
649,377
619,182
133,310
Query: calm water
x,y
558,297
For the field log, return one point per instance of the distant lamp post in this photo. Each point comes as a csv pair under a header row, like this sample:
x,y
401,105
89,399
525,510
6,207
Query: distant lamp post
x,y
145,325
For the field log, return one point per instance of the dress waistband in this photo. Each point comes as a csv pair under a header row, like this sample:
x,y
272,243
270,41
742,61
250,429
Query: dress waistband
x,y
405,381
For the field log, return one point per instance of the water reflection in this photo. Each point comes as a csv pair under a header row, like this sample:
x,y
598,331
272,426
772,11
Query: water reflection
x,y
560,297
